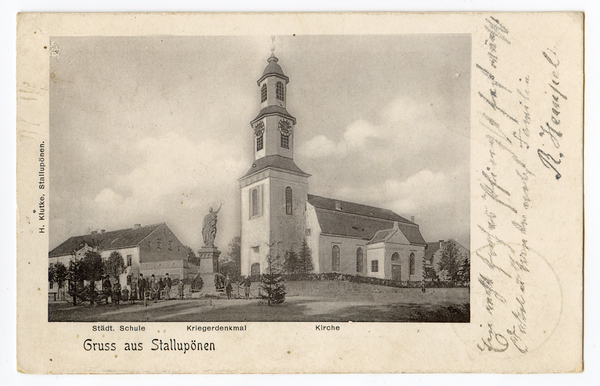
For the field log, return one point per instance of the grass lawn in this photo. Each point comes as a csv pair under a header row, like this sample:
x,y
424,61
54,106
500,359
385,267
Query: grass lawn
x,y
306,301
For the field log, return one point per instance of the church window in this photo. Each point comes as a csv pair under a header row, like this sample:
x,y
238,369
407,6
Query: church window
x,y
170,245
375,266
279,93
255,269
129,260
335,259
288,200
396,257
359,260
412,264
259,142
263,93
255,201
285,141
158,242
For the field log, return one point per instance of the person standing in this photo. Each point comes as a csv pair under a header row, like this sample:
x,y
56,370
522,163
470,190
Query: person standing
x,y
106,291
116,292
247,284
142,287
154,288
133,294
168,283
228,287
180,289
161,287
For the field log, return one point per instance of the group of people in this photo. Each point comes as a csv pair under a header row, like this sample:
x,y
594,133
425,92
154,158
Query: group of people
x,y
153,289
112,291
245,281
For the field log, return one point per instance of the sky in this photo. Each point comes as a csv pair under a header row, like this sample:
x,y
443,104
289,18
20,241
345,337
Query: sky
x,y
145,130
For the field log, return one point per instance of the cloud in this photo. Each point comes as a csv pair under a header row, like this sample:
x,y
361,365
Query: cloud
x,y
354,138
173,180
405,124
358,132
318,146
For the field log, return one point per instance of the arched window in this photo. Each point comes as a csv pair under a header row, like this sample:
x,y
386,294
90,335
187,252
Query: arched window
x,y
412,264
359,260
335,259
255,269
254,202
285,141
263,93
288,200
396,267
279,93
259,142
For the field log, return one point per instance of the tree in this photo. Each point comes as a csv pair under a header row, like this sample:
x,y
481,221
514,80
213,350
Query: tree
x,y
291,263
429,274
75,277
51,274
114,266
60,275
232,266
272,287
305,258
235,250
300,262
191,256
464,273
450,259
92,268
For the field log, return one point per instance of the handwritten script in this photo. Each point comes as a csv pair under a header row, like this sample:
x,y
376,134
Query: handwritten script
x,y
513,140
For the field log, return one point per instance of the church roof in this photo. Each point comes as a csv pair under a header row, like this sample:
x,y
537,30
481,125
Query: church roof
x,y
272,110
123,238
273,68
275,162
360,221
432,248
380,236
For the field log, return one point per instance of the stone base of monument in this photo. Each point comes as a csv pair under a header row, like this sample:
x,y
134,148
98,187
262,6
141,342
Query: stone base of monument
x,y
209,268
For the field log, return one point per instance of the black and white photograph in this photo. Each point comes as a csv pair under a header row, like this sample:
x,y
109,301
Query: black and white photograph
x,y
259,178
300,193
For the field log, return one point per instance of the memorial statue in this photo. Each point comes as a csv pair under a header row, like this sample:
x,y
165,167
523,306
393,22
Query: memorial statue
x,y
209,227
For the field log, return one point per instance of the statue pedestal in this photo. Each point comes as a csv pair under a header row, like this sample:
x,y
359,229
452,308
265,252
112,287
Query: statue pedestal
x,y
209,267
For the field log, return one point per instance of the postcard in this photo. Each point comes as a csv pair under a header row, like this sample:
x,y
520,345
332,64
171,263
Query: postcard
x,y
300,193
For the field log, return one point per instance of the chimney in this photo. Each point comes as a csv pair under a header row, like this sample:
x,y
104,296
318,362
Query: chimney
x,y
412,218
102,230
338,205
94,232
441,243
136,226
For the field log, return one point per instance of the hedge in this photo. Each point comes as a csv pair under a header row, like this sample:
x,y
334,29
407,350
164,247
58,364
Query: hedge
x,y
336,276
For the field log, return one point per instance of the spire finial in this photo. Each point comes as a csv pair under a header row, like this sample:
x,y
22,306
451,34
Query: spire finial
x,y
272,57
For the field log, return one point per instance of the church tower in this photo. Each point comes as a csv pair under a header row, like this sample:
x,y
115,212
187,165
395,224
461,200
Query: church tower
x,y
274,190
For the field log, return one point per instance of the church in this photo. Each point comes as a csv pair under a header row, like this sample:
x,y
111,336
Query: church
x,y
278,213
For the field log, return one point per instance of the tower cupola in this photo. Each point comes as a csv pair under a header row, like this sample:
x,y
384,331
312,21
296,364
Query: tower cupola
x,y
273,127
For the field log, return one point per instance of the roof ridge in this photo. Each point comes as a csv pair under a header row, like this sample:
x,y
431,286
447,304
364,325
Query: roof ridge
x,y
405,221
118,230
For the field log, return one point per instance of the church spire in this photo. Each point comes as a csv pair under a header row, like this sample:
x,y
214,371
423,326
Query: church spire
x,y
273,126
